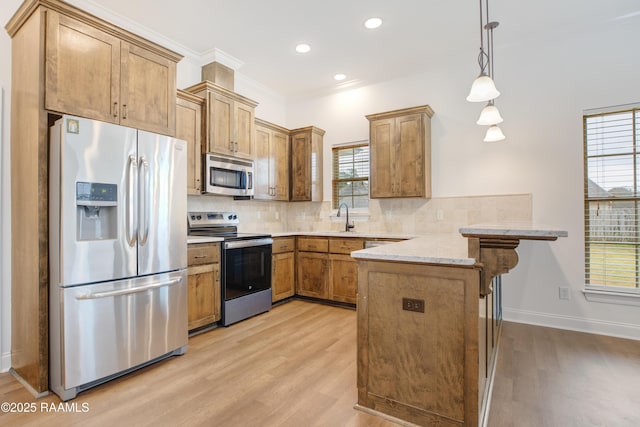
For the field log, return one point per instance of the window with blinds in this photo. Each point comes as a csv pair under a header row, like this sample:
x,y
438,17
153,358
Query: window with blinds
x,y
351,176
612,199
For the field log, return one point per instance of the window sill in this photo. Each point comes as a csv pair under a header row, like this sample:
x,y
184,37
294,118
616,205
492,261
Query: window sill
x,y
630,297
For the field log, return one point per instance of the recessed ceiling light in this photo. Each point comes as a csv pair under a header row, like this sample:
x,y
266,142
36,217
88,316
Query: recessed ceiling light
x,y
372,23
340,76
303,48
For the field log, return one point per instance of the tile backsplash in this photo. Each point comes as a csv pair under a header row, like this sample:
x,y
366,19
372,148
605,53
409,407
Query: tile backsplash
x,y
398,216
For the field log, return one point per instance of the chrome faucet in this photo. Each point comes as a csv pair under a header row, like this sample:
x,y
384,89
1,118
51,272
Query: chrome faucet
x,y
347,226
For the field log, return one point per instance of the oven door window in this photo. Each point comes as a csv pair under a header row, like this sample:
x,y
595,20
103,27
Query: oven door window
x,y
247,270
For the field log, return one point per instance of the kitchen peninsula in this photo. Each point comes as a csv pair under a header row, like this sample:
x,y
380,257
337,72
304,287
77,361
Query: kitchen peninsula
x,y
429,322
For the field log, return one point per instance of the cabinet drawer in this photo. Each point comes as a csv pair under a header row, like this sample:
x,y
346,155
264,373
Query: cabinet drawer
x,y
345,246
313,245
203,253
283,244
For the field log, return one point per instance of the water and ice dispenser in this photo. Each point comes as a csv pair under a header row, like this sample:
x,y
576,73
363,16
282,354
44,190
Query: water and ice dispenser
x,y
96,211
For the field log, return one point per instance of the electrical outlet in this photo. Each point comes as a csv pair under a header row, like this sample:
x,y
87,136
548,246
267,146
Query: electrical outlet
x,y
563,292
439,215
410,304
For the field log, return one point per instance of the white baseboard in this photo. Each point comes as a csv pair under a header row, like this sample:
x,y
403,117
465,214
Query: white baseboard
x,y
592,326
5,362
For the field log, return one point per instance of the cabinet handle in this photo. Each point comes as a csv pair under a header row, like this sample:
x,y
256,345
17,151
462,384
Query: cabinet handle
x,y
124,111
236,143
115,109
200,256
231,146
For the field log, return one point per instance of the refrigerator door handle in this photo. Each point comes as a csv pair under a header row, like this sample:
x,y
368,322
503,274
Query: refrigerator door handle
x,y
143,217
97,295
130,209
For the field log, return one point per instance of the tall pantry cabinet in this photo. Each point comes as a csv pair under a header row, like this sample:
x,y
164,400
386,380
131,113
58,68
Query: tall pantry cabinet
x,y
66,61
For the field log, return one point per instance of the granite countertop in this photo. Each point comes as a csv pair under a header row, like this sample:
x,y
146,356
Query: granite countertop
x,y
431,249
353,234
452,249
203,239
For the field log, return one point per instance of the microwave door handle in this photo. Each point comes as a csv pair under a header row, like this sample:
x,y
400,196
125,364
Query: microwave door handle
x,y
131,232
144,190
246,181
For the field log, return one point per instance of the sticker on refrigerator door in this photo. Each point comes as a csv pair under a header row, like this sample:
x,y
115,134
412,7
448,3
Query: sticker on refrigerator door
x,y
73,126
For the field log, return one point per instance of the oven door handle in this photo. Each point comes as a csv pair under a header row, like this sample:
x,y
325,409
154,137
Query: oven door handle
x,y
237,244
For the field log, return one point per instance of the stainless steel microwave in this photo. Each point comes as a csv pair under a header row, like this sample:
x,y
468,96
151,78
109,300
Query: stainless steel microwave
x,y
227,176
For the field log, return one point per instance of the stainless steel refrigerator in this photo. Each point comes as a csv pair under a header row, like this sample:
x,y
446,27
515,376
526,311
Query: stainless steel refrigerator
x,y
118,251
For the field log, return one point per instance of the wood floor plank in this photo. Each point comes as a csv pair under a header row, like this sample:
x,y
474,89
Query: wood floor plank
x,y
296,366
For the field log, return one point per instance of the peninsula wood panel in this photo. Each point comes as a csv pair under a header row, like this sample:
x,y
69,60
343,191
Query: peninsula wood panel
x,y
419,367
189,129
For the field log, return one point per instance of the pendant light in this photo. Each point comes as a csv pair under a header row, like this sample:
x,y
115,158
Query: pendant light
x,y
483,88
494,134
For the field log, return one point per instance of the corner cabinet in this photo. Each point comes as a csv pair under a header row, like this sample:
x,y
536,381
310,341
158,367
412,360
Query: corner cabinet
x,y
189,128
96,74
400,146
229,122
271,162
306,164
204,301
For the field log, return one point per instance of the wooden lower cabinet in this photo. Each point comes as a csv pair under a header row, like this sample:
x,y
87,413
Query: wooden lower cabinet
x,y
203,284
283,270
313,275
325,268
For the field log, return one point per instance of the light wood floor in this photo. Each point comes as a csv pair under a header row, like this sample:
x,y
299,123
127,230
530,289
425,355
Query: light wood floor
x,y
296,366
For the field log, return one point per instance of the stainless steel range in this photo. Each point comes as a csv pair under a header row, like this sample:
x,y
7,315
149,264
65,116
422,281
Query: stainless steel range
x,y
246,264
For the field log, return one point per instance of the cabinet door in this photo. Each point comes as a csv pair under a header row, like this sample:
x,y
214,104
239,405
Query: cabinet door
x,y
344,278
383,167
262,170
280,165
312,278
301,167
82,74
409,153
148,90
189,128
243,130
202,296
220,124
282,278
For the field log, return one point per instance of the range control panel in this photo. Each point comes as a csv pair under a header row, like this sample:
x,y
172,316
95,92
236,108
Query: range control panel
x,y
209,219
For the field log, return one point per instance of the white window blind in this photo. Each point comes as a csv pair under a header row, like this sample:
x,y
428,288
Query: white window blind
x,y
612,199
351,176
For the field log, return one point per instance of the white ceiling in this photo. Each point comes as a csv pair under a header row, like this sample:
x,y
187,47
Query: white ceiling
x,y
262,34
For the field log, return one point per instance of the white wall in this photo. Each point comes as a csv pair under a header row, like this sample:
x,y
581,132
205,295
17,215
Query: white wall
x,y
545,85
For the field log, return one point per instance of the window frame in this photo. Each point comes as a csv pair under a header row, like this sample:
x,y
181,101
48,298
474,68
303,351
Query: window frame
x,y
335,182
618,294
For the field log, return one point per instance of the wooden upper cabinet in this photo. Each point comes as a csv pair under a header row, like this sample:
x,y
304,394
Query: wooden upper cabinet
x,y
189,128
306,164
99,73
82,74
271,162
229,123
400,146
147,90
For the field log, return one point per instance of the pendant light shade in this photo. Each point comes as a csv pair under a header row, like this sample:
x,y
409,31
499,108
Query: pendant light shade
x,y
489,115
494,134
483,89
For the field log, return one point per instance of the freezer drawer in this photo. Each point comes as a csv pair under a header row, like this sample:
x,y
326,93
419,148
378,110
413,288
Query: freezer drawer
x,y
108,328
